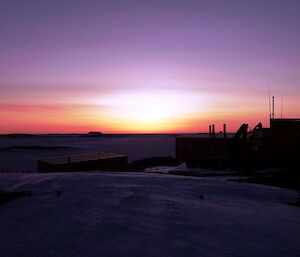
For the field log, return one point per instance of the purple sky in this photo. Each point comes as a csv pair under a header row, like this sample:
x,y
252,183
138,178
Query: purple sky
x,y
80,54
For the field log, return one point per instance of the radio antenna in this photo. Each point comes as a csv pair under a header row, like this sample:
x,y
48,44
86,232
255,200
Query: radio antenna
x,y
273,107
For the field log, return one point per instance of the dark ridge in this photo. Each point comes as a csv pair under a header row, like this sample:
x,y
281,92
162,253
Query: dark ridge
x,y
9,196
21,147
289,179
16,135
140,165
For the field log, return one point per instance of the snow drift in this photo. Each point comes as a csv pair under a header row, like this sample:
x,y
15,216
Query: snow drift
x,y
140,214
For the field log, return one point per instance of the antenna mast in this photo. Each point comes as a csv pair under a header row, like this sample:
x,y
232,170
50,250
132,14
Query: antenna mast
x,y
273,107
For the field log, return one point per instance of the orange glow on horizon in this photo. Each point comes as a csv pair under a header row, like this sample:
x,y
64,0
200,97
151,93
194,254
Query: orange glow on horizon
x,y
84,120
140,111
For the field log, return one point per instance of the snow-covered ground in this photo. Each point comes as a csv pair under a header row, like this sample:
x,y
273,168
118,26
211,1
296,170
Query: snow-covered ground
x,y
14,157
183,168
142,214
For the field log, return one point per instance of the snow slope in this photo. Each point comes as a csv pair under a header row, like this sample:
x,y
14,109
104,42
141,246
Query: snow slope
x,y
130,214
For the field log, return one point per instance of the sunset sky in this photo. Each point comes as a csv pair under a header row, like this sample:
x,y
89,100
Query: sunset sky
x,y
159,66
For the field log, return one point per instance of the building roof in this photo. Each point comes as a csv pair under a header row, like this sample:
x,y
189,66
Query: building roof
x,y
81,158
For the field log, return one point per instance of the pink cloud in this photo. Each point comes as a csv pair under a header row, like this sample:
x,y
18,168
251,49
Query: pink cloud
x,y
30,108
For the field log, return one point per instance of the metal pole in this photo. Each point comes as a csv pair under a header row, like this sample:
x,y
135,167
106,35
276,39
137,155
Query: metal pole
x,y
273,107
224,130
213,131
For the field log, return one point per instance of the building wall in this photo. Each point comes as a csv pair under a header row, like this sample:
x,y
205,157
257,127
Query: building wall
x,y
285,138
109,164
189,148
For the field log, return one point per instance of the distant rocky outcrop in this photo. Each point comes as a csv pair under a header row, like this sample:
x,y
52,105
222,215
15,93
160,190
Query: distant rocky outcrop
x,y
93,134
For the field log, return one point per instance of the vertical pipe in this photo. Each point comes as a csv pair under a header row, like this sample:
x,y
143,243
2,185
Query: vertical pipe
x,y
224,130
213,131
210,135
273,107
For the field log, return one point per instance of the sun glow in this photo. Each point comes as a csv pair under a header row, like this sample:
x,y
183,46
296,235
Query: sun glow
x,y
152,107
